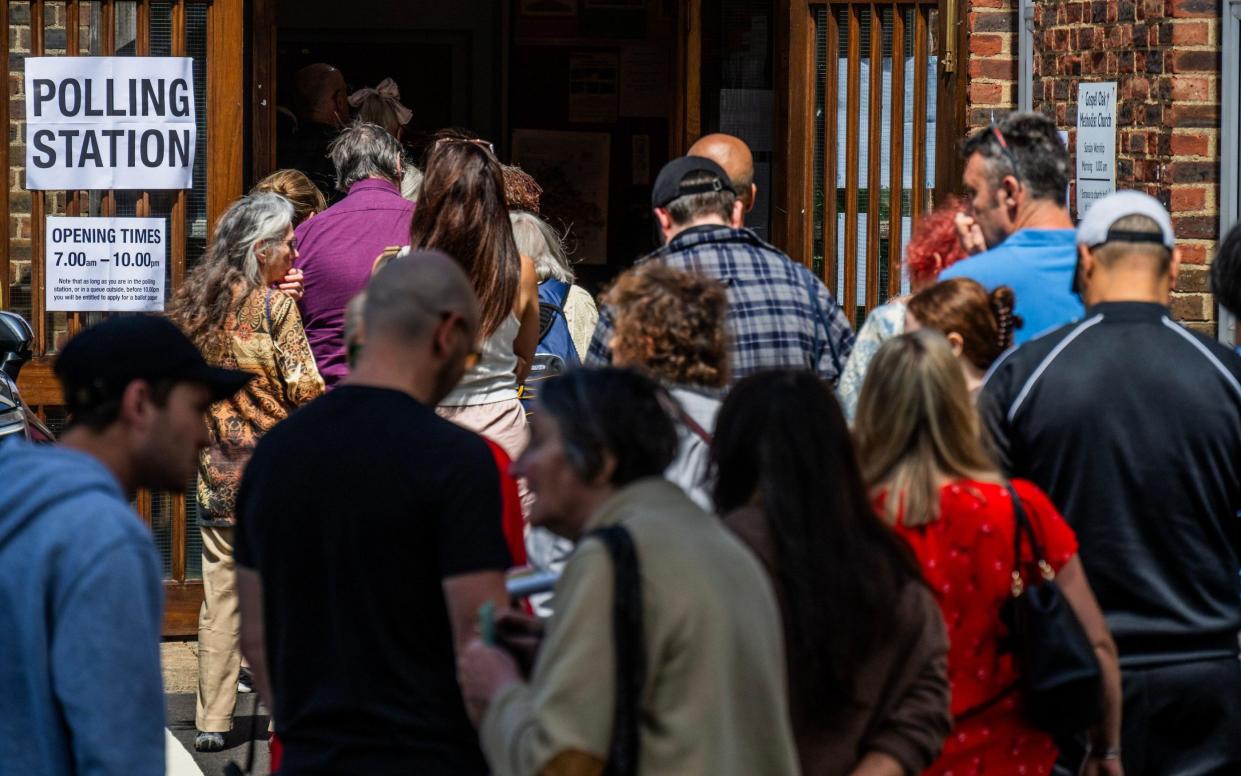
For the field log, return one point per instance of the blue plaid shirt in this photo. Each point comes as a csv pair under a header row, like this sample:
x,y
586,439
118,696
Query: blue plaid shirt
x,y
780,316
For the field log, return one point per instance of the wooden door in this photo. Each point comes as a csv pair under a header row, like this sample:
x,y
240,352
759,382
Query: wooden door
x,y
209,31
873,108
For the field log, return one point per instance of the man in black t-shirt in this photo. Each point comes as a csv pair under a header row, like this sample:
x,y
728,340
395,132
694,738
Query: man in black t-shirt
x,y
368,536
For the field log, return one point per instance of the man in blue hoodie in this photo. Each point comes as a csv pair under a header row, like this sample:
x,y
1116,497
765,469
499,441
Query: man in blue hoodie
x,y
80,593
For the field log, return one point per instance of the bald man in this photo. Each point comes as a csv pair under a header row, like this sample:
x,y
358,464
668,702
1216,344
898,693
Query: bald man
x,y
735,157
369,534
321,103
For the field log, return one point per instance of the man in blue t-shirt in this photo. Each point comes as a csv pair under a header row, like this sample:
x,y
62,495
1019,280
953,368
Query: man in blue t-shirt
x,y
1016,176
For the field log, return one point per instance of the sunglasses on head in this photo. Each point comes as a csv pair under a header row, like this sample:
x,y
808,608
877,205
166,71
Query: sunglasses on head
x,y
486,145
1004,149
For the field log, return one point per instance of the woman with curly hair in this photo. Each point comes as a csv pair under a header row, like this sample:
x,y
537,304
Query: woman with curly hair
x,y
228,307
670,324
933,247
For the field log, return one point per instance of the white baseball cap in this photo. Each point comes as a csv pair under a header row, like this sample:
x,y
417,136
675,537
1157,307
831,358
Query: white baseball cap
x,y
1096,227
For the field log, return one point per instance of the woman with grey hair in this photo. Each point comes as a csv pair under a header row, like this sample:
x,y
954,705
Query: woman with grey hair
x,y
229,308
538,241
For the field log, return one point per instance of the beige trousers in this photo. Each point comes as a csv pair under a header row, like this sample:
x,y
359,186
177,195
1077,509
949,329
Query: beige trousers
x,y
219,652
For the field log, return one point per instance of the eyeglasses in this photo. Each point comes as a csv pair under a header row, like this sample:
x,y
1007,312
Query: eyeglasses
x,y
1004,149
486,145
291,242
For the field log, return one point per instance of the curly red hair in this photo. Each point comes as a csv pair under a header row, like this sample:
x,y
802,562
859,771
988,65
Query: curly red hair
x,y
934,245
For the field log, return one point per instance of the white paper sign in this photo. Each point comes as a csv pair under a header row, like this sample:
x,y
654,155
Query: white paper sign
x,y
1096,143
105,264
109,123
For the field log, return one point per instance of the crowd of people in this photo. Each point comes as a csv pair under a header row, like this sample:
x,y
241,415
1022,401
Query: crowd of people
x,y
781,549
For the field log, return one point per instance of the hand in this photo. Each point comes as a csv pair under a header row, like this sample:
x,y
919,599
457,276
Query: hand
x,y
482,672
521,635
969,233
291,284
1094,766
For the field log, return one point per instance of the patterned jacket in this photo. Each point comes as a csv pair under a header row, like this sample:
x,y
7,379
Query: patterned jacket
x,y
779,314
264,337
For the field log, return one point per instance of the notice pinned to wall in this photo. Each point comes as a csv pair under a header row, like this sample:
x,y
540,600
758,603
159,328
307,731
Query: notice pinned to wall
x,y
1096,143
109,123
106,264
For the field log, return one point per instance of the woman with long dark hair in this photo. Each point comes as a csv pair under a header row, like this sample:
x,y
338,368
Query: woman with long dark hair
x,y
461,211
865,643
228,307
932,480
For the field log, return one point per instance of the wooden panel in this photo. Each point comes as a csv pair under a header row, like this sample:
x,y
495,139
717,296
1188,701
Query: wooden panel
x,y
181,603
874,156
848,295
263,46
177,219
897,167
830,150
687,121
5,270
226,91
950,113
792,194
38,265
38,384
917,201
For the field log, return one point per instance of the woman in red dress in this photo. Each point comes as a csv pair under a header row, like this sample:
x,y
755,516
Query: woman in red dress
x,y
922,456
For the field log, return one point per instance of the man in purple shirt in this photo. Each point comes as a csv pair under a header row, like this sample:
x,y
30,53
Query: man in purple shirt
x,y
338,246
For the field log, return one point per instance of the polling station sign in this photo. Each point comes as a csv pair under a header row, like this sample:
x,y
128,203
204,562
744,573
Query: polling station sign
x,y
106,264
109,123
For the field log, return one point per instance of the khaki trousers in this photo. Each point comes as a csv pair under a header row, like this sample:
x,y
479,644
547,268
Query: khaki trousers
x,y
219,624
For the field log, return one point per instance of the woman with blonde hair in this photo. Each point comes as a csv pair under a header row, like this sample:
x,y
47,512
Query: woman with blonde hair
x,y
307,200
228,308
537,240
298,189
923,459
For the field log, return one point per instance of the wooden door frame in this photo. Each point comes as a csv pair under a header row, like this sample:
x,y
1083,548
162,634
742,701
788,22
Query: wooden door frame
x,y
793,196
225,157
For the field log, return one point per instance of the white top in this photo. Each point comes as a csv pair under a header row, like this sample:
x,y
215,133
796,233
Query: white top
x,y
494,379
689,468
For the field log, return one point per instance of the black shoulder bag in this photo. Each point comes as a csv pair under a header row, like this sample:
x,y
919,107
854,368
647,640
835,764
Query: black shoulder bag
x,y
630,651
1060,678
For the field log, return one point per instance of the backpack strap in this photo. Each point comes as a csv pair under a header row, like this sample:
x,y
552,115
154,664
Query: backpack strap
x,y
630,650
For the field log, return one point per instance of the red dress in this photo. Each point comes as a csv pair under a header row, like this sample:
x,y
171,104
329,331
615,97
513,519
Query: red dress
x,y
967,559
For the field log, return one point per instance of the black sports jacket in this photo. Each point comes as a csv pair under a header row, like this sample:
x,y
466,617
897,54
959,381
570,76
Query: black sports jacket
x,y
1132,425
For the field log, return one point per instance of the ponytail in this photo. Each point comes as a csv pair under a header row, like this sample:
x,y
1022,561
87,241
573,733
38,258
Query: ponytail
x,y
1003,302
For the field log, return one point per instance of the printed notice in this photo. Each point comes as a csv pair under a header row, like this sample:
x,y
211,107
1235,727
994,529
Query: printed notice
x,y
1096,143
105,264
102,123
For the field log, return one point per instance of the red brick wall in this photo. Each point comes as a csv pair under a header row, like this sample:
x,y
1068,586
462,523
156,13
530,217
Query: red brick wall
x,y
1164,56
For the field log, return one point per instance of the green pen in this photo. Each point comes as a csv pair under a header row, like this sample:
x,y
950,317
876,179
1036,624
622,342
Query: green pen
x,y
487,623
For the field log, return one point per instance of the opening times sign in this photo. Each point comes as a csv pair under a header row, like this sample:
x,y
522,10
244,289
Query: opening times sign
x,y
105,264
103,123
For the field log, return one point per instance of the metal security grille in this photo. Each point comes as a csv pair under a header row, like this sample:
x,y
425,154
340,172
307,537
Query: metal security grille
x,y
209,31
873,161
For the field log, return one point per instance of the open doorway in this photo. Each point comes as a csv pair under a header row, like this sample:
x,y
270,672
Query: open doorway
x,y
578,93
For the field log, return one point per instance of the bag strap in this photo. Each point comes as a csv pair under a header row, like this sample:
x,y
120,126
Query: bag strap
x,y
1022,526
630,650
677,411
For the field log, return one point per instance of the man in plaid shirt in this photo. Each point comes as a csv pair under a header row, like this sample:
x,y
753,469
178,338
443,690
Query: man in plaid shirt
x,y
779,314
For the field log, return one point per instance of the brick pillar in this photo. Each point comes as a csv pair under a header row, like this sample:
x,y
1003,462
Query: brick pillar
x,y
992,26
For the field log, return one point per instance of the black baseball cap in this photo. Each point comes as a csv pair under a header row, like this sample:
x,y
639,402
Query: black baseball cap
x,y
669,186
96,365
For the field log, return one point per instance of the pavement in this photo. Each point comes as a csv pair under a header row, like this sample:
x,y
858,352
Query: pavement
x,y
180,664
